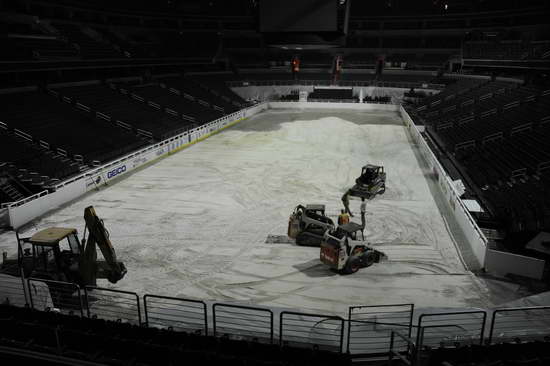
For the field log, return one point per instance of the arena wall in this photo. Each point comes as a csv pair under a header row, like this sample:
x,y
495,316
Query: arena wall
x,y
504,263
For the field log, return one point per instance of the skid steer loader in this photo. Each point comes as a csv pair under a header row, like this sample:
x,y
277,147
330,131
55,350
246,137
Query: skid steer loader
x,y
342,252
308,224
371,182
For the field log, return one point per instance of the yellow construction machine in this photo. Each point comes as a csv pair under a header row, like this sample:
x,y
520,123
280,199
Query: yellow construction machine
x,y
57,254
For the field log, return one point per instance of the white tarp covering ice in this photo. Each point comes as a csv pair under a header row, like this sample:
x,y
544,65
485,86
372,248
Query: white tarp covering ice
x,y
194,224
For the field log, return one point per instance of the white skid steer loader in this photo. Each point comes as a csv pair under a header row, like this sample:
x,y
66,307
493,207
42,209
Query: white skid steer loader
x,y
342,252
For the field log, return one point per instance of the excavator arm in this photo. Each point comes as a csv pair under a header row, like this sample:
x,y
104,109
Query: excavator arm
x,y
91,268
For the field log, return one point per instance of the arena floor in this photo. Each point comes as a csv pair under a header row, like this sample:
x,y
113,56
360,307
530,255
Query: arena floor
x,y
195,223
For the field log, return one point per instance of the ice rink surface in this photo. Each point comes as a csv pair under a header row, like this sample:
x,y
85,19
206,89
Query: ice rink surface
x,y
194,224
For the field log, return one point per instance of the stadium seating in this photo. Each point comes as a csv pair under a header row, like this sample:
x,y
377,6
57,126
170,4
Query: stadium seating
x,y
50,135
114,343
25,157
37,47
22,40
497,133
507,50
88,46
131,112
360,60
186,106
316,60
331,95
294,96
210,89
60,125
505,354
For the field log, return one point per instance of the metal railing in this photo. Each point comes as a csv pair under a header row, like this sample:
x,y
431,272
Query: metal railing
x,y
524,323
370,327
241,322
110,304
409,357
451,327
14,291
372,330
306,330
46,295
176,313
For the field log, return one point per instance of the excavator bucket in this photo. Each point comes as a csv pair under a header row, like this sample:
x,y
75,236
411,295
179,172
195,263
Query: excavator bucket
x,y
111,268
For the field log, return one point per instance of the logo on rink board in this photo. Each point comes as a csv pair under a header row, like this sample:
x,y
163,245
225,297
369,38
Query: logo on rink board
x,y
113,173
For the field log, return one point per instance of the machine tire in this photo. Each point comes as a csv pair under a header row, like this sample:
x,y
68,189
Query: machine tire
x,y
353,265
370,258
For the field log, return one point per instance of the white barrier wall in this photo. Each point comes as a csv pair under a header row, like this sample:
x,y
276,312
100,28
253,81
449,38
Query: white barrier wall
x,y
332,106
22,212
503,263
475,237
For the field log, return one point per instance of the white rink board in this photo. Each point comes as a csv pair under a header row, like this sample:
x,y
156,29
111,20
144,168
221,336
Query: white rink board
x,y
194,224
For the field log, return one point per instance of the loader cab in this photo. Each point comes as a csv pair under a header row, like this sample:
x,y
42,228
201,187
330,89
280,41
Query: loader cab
x,y
49,251
369,172
315,210
342,236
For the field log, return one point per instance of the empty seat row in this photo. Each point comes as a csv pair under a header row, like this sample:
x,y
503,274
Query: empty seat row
x,y
61,125
88,46
507,354
124,108
116,343
28,155
179,103
208,89
344,94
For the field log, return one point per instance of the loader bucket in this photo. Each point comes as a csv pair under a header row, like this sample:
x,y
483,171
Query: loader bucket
x,y
293,226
